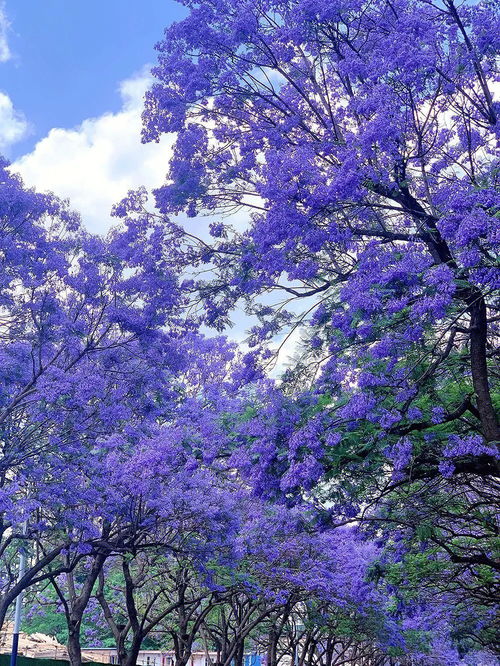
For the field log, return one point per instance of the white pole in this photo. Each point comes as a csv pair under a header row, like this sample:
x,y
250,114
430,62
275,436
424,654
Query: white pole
x,y
19,601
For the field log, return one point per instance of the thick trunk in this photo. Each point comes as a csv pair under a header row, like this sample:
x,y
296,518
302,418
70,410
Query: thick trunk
x,y
75,607
182,661
74,647
129,657
272,649
121,649
182,649
130,660
479,368
239,657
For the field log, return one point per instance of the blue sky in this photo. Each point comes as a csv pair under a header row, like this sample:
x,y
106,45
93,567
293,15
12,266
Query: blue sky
x,y
68,57
72,79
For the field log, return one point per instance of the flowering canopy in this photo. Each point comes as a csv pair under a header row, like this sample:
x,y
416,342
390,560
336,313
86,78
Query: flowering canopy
x,y
360,142
94,369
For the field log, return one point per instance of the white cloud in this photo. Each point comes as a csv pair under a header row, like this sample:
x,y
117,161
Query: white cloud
x,y
96,163
5,53
13,125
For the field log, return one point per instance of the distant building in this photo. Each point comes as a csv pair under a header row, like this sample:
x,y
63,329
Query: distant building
x,y
40,646
161,657
146,657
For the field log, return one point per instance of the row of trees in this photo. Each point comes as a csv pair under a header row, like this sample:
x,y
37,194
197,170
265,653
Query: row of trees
x,y
118,420
164,603
171,491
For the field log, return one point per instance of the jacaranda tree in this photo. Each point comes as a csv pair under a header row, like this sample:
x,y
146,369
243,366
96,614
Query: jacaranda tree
x,y
359,142
345,155
93,364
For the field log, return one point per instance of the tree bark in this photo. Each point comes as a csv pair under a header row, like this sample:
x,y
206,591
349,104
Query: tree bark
x,y
272,648
239,657
76,605
133,652
73,645
479,368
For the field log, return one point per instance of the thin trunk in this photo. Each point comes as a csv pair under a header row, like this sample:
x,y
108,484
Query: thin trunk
x,y
310,654
75,607
477,308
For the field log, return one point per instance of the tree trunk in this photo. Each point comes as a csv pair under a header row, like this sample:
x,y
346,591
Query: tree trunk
x,y
181,660
239,657
121,649
73,645
76,605
310,653
272,648
478,340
